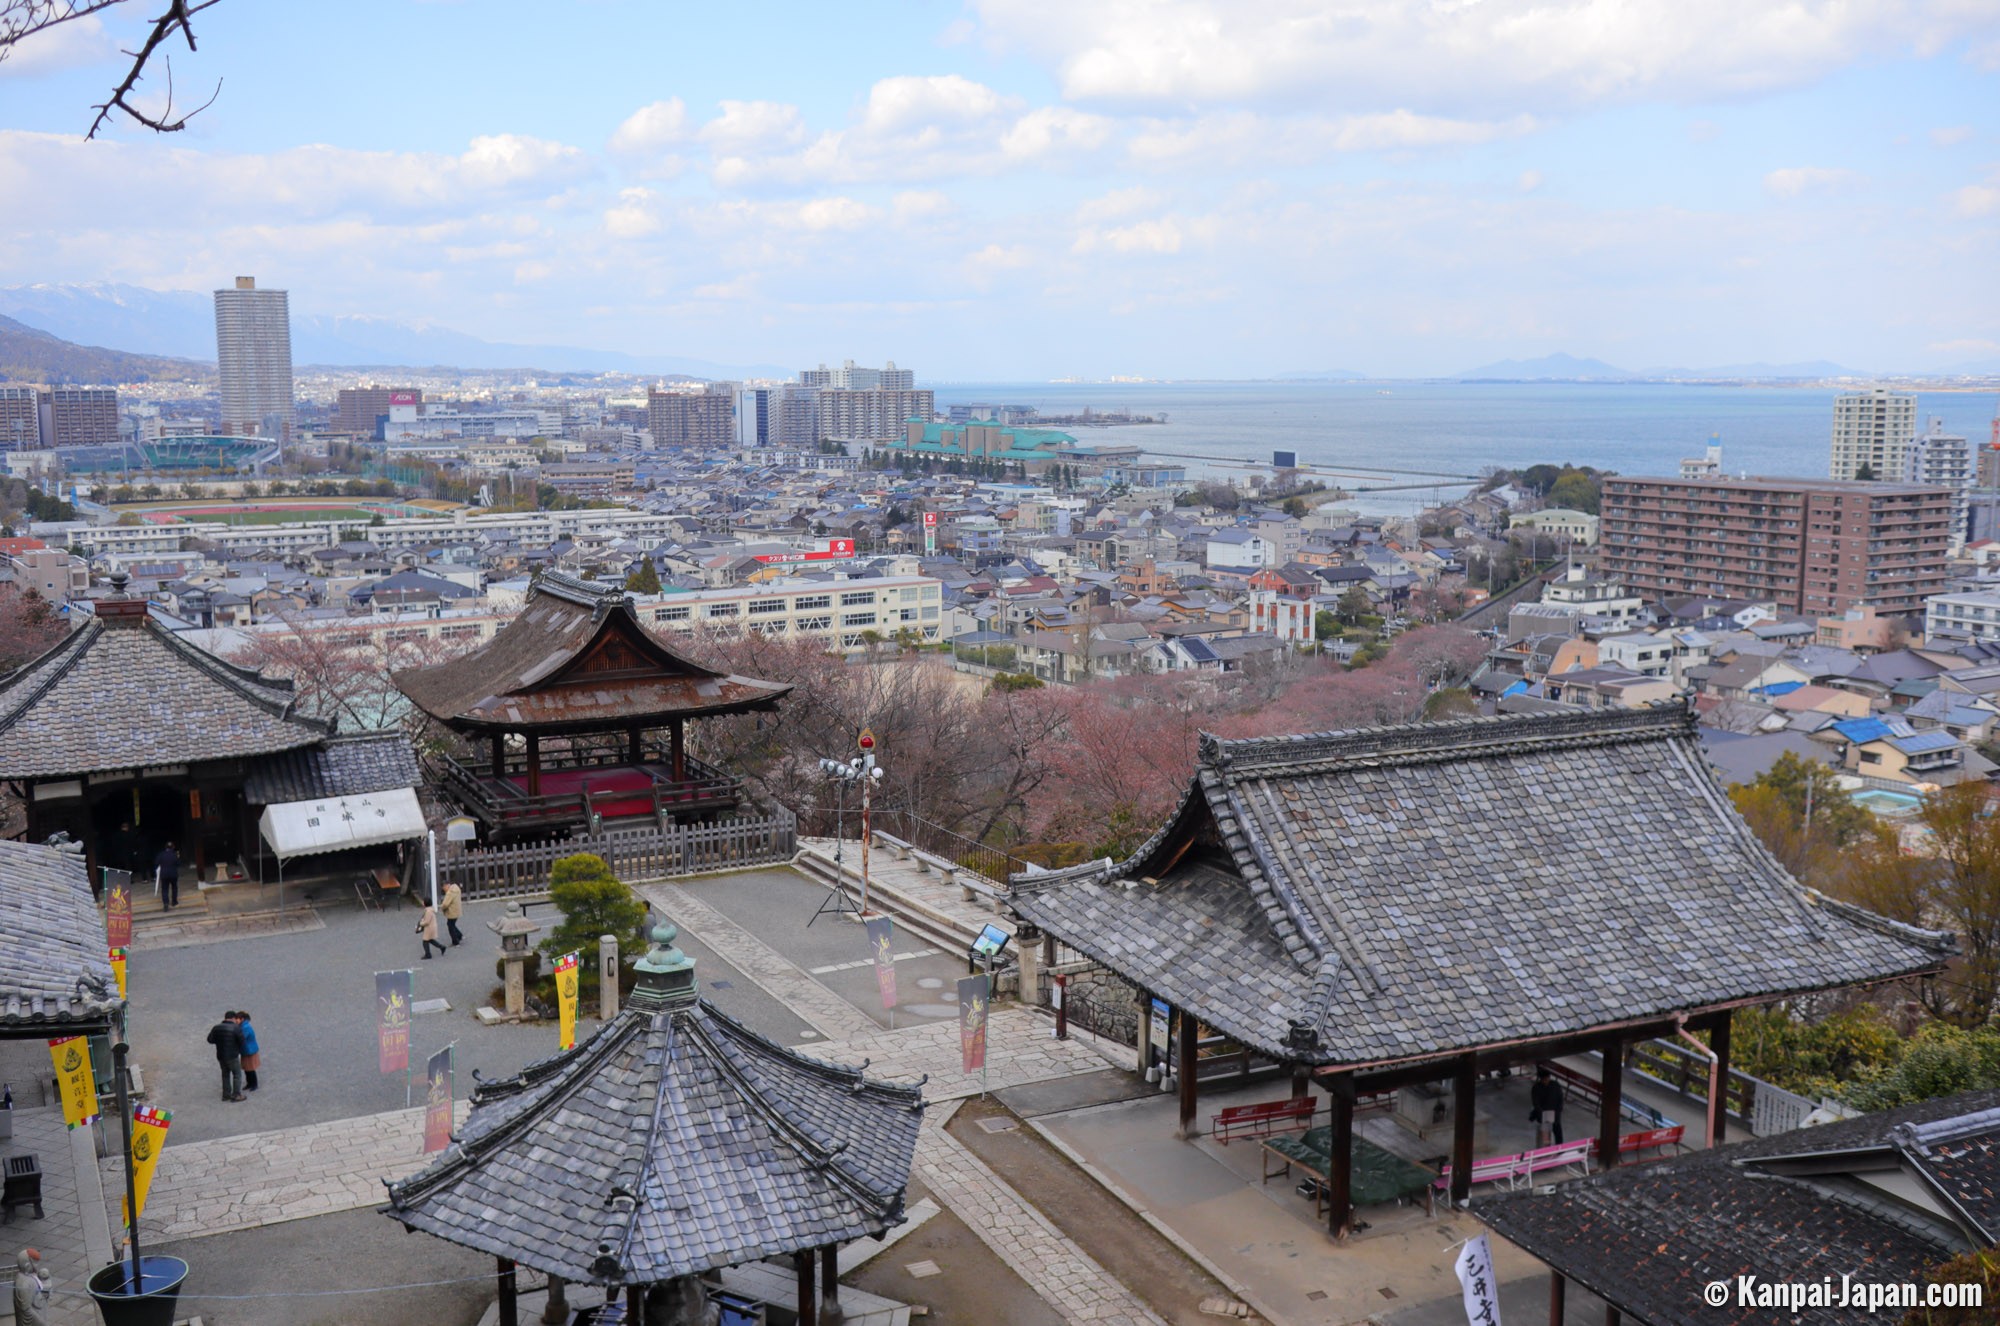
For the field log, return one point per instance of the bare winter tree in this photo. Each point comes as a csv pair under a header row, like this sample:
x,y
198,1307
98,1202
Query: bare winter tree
x,y
21,19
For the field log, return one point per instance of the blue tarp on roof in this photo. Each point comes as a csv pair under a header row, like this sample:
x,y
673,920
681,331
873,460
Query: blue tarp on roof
x,y
1516,688
1778,688
1862,729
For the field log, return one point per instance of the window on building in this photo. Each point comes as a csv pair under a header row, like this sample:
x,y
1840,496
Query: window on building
x,y
765,607
807,601
672,614
861,599
857,619
725,610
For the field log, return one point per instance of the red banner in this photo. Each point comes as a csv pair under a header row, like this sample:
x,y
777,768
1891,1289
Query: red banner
x,y
438,1092
393,990
881,936
972,1022
118,907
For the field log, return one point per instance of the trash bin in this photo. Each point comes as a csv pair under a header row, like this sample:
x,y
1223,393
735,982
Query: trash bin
x,y
152,1303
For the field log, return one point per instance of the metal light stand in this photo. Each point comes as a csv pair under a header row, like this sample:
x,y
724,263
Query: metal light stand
x,y
836,901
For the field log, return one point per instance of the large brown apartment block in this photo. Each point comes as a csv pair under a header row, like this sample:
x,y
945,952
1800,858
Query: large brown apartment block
x,y
704,418
1812,546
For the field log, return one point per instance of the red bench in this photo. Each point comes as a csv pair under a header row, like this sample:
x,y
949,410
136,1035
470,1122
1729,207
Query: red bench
x,y
1262,1119
1653,1139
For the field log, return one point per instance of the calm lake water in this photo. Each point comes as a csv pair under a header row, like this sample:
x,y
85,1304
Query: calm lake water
x,y
1462,428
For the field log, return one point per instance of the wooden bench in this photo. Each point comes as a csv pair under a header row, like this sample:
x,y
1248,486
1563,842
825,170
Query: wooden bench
x,y
1653,1139
23,1186
1262,1119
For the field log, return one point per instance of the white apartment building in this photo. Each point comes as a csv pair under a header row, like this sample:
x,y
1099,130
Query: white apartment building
x,y
253,353
1291,619
837,611
1874,429
1972,615
1938,457
1705,466
1579,594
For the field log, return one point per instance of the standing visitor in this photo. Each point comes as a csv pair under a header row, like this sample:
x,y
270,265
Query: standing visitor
x,y
251,1057
428,929
1545,1100
168,863
227,1038
453,908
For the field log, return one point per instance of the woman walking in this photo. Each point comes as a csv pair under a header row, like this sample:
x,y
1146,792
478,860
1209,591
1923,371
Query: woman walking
x,y
250,1053
428,928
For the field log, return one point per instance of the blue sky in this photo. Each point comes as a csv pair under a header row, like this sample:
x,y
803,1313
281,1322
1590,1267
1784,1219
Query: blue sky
x,y
1032,188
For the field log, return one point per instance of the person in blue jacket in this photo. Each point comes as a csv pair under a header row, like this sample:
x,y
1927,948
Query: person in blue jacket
x,y
250,1056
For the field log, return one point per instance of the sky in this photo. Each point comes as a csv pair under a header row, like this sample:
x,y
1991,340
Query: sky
x,y
1026,189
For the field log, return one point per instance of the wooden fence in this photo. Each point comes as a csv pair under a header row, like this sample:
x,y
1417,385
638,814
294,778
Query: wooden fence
x,y
638,853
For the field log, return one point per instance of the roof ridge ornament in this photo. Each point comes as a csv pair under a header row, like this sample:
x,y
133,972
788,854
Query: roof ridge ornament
x,y
665,974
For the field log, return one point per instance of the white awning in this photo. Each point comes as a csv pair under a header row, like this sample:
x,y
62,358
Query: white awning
x,y
331,824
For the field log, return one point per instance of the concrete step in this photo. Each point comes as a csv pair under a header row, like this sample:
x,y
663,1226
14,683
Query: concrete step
x,y
947,932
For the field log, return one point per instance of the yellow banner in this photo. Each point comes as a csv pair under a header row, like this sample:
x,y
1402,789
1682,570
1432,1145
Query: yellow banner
x,y
149,1137
75,1080
566,997
118,969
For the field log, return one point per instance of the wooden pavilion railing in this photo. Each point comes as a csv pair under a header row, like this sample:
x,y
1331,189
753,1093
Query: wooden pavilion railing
x,y
501,804
646,851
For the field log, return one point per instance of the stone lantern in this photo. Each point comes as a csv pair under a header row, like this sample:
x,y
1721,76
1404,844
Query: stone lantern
x,y
514,928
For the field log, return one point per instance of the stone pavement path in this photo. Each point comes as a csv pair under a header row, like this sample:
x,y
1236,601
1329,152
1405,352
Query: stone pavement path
x,y
1067,1278
258,1179
71,1247
824,1010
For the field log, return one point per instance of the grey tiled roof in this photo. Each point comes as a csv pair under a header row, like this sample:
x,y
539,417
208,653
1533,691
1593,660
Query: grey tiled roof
x,y
54,969
119,695
731,1148
1405,892
1647,1238
347,766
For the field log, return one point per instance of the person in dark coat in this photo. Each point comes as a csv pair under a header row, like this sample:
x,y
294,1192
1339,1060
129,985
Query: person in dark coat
x,y
168,863
227,1038
1545,1101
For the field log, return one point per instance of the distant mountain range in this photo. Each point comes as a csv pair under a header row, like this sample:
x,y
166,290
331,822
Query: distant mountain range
x,y
1570,368
181,323
30,355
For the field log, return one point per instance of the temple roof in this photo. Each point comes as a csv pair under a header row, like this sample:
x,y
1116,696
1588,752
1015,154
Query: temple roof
x,y
1399,893
55,973
672,1142
351,765
577,659
123,691
1883,1198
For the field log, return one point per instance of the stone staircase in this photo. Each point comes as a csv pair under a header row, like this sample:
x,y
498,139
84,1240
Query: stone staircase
x,y
946,904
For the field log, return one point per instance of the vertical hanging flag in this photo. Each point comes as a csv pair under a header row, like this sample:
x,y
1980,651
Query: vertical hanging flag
x,y
149,1135
972,1022
1475,1277
118,969
566,997
118,907
393,991
881,934
439,1089
74,1080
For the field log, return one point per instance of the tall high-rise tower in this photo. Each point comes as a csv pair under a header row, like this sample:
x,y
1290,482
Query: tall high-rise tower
x,y
253,350
1872,432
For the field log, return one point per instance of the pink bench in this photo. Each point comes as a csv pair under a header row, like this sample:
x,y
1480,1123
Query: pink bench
x,y
1523,1166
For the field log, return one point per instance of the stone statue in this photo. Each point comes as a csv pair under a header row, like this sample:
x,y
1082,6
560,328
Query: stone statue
x,y
31,1290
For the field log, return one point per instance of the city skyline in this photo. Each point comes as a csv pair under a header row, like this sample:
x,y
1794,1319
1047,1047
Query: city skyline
x,y
1014,190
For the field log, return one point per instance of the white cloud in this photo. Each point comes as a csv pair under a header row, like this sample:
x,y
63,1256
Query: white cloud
x,y
1791,181
652,127
902,103
833,214
1119,203
1458,53
80,41
633,217
1052,129
744,125
1529,181
918,204
1236,138
1976,200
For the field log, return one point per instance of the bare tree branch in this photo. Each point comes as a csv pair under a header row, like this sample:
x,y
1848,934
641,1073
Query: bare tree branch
x,y
24,18
177,16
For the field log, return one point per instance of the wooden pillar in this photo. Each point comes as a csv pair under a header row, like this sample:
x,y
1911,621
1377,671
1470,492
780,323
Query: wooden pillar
x,y
1611,1093
1340,1172
829,1285
1718,1109
635,1304
1612,1316
637,754
1184,1055
1556,1287
555,1312
1464,1078
534,765
510,1303
1145,1031
678,745
499,754
1301,1082
803,1263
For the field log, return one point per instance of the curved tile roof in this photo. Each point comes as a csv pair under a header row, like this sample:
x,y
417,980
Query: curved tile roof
x,y
1399,893
117,696
54,970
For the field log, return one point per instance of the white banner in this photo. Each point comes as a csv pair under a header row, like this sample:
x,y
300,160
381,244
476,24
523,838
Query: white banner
x,y
1475,1276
